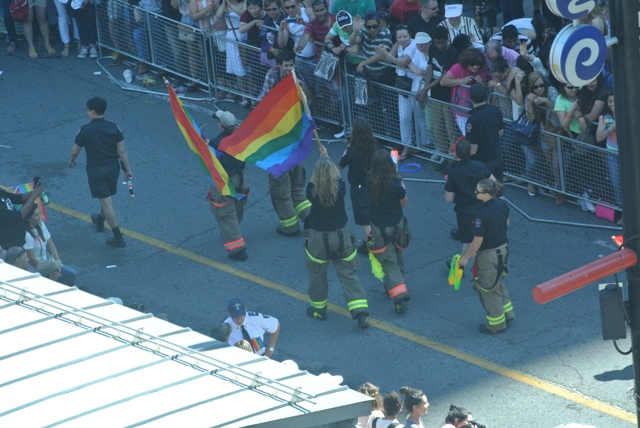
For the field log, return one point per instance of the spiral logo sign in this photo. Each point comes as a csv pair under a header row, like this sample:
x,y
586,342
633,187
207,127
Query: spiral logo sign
x,y
571,9
578,54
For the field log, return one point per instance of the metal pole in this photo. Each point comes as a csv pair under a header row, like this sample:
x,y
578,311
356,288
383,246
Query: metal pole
x,y
626,63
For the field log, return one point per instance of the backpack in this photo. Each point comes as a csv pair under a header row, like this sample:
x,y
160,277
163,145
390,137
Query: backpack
x,y
374,423
19,10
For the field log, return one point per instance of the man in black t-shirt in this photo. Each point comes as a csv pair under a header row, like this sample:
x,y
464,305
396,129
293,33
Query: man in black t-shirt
x,y
484,128
460,189
427,20
442,56
12,227
104,146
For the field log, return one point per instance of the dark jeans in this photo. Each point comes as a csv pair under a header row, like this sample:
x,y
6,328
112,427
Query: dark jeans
x,y
86,21
8,22
512,9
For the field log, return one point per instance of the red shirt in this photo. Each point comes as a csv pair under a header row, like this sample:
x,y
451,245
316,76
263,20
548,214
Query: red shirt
x,y
318,31
404,10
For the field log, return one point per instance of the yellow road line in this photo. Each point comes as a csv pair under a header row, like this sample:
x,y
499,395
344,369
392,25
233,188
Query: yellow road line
x,y
389,328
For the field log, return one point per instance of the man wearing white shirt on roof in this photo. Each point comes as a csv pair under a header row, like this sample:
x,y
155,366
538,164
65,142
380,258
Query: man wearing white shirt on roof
x,y
251,326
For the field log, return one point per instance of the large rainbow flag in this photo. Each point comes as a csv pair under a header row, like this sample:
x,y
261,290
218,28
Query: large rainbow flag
x,y
205,154
278,133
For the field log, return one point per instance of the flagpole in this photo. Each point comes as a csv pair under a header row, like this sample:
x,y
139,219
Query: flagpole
x,y
303,97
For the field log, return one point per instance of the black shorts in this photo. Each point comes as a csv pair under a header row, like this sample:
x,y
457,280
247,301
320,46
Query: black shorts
x,y
361,204
103,180
466,221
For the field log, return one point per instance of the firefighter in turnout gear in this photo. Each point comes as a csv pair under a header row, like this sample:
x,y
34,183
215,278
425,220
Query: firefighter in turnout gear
x,y
227,210
329,240
490,245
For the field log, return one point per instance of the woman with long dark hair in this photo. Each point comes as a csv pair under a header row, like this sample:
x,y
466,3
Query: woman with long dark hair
x,y
458,417
357,157
389,232
607,132
329,240
416,403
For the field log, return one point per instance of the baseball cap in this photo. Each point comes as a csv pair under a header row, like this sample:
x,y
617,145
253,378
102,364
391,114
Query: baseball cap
x,y
452,10
422,38
226,118
478,94
46,267
343,18
236,307
13,253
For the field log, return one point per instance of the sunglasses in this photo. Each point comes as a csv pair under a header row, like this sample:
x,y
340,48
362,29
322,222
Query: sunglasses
x,y
478,192
540,86
571,88
271,9
432,8
291,7
372,27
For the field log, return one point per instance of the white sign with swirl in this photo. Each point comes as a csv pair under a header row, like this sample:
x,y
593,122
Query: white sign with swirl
x,y
578,54
571,9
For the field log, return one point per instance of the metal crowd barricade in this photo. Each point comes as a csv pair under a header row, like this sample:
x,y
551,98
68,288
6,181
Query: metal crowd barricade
x,y
155,40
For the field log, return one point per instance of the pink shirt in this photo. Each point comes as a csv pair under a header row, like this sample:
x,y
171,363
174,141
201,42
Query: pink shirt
x,y
460,95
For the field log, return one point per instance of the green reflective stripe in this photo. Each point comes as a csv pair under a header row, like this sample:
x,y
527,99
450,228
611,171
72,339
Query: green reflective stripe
x,y
303,206
358,304
313,259
348,259
495,321
289,222
478,284
319,305
507,307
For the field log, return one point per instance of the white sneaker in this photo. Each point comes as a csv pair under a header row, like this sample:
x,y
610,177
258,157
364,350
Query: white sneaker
x,y
587,206
339,134
93,52
436,157
83,52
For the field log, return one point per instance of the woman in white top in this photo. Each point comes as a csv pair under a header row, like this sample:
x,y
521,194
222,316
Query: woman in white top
x,y
230,11
413,63
40,246
374,392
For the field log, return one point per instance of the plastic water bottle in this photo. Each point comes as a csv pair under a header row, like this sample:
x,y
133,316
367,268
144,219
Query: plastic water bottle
x,y
44,198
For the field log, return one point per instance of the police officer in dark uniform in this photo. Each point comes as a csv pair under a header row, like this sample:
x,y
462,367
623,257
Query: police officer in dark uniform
x,y
104,145
460,189
484,128
490,245
229,211
329,240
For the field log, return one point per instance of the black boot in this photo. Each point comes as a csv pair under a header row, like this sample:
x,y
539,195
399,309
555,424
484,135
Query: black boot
x,y
98,221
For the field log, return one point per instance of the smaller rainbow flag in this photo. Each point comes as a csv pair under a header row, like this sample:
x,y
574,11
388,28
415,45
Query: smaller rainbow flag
x,y
204,153
26,188
278,133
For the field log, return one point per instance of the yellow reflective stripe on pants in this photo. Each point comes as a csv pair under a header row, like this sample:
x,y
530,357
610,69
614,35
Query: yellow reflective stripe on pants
x,y
496,321
289,222
358,304
313,259
318,305
303,206
349,258
508,307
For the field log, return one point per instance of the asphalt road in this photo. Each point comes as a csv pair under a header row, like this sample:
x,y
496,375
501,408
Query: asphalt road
x,y
551,367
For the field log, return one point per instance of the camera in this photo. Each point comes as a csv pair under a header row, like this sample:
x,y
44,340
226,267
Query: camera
x,y
474,424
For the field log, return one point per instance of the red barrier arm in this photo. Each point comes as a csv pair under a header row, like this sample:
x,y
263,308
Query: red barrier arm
x,y
585,275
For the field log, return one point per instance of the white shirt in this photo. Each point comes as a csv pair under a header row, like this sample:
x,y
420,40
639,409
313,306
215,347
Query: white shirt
x,y
296,31
467,26
256,325
36,244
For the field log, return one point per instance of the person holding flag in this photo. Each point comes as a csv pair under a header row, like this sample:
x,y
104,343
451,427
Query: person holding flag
x,y
227,209
287,191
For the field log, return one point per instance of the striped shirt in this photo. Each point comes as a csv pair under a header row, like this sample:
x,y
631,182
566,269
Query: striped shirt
x,y
318,31
368,47
467,26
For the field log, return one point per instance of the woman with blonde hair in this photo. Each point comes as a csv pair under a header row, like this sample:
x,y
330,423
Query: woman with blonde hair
x,y
376,406
329,240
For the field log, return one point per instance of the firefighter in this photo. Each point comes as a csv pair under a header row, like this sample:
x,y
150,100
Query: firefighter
x,y
227,210
329,240
490,246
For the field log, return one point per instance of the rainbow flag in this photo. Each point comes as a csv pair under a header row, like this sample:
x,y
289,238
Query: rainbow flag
x,y
26,188
278,133
205,154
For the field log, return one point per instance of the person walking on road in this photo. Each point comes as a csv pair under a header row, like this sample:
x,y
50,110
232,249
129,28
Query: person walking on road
x,y
490,245
227,210
251,326
104,146
329,240
388,225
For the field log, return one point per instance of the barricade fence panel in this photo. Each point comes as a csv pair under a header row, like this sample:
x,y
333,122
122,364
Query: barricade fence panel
x,y
224,62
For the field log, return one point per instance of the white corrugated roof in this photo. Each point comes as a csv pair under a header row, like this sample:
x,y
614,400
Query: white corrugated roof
x,y
68,358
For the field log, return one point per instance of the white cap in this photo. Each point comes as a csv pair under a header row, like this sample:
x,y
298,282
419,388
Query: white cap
x,y
422,38
452,10
226,118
